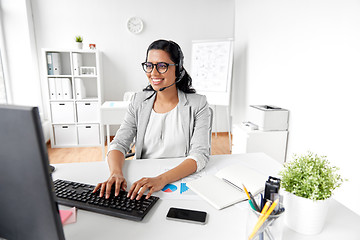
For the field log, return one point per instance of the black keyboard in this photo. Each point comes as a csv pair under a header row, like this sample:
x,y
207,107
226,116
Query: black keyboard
x,y
80,195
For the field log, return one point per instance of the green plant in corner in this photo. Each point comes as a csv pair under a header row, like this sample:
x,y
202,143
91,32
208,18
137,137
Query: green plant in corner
x,y
310,176
78,38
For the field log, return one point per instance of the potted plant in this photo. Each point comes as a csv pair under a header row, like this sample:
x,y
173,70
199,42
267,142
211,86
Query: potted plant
x,y
309,182
79,41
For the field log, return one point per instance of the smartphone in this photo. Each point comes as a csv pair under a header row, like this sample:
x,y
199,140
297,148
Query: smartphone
x,y
186,215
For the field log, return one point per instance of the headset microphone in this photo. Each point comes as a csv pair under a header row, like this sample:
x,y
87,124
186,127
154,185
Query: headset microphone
x,y
163,88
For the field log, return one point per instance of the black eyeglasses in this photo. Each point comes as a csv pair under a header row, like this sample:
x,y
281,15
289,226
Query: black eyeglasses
x,y
161,67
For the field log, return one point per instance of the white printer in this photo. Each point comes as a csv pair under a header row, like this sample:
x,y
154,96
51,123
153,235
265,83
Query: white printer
x,y
265,131
269,118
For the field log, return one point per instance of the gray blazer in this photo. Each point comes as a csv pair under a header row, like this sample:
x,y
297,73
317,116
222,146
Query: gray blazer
x,y
195,119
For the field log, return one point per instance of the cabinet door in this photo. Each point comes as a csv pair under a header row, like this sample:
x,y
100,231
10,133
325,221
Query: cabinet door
x,y
62,112
89,134
65,135
87,112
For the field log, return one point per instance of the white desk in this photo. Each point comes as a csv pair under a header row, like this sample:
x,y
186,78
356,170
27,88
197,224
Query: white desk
x,y
112,113
224,224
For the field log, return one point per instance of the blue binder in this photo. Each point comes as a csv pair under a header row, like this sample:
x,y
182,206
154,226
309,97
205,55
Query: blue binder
x,y
50,66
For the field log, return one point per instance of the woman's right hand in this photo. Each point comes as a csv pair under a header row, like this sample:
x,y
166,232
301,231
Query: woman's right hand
x,y
105,187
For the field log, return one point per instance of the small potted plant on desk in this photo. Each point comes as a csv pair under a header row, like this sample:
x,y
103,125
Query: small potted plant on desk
x,y
79,41
309,182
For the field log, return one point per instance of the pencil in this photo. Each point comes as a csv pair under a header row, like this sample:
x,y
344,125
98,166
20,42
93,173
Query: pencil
x,y
262,220
262,214
247,193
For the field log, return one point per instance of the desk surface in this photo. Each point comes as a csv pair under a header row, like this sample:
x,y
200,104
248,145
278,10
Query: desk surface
x,y
228,223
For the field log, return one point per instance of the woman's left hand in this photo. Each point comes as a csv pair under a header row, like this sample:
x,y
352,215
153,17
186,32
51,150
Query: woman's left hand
x,y
139,187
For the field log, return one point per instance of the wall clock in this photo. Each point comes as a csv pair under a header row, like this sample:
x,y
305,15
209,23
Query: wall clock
x,y
135,25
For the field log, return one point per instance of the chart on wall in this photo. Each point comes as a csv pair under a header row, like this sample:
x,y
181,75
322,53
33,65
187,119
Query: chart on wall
x,y
211,67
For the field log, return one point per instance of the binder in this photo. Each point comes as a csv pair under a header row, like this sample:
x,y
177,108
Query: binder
x,y
58,88
56,60
66,88
49,64
52,88
80,90
77,63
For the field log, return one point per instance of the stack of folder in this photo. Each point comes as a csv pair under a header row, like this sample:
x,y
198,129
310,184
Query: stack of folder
x,y
60,88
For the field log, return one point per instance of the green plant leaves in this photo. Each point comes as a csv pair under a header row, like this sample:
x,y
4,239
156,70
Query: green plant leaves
x,y
310,176
78,38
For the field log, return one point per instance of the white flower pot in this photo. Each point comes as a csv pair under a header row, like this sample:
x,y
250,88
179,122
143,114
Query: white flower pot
x,y
304,215
79,45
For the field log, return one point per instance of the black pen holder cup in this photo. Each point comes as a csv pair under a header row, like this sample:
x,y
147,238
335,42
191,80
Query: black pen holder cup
x,y
271,229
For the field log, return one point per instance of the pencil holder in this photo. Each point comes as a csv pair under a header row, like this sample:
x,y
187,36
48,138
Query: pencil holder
x,y
271,229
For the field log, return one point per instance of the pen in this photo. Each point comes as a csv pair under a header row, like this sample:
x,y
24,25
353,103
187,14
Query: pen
x,y
254,202
262,219
232,184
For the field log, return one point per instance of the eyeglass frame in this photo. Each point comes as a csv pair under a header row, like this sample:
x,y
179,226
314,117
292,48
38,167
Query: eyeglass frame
x,y
156,65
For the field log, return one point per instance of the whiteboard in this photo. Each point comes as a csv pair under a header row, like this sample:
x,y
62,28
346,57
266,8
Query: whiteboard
x,y
211,68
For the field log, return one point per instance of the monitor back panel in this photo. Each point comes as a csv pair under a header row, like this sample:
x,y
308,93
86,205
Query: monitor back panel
x,y
27,206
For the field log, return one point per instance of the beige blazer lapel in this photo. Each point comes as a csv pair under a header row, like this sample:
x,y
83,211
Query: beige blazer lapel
x,y
185,117
144,116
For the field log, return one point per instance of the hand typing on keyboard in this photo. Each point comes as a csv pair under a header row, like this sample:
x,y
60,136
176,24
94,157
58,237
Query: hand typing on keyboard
x,y
141,186
115,179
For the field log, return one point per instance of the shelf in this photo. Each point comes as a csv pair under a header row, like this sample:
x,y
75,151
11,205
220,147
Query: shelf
x,y
74,122
62,100
85,76
79,76
87,100
77,123
58,76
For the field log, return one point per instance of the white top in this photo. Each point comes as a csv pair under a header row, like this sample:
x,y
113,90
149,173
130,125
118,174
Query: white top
x,y
164,136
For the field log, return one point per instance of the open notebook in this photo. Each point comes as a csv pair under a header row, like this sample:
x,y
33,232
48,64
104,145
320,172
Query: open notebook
x,y
219,189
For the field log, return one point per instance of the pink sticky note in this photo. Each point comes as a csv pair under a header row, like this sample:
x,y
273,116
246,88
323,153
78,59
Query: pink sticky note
x,y
69,216
72,218
64,215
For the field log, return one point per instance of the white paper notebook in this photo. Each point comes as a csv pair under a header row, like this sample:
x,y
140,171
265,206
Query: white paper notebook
x,y
221,194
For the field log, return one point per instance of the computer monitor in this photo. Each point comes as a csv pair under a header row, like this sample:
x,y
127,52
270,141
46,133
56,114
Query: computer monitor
x,y
27,203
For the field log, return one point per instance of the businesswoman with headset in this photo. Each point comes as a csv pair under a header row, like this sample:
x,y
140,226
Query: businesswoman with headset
x,y
168,119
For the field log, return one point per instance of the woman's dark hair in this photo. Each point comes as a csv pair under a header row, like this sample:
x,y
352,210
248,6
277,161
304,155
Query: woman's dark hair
x,y
184,81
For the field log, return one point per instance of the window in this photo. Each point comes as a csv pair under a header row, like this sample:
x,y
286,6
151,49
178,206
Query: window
x,y
3,98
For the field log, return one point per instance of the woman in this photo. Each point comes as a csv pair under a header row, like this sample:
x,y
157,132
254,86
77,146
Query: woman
x,y
168,119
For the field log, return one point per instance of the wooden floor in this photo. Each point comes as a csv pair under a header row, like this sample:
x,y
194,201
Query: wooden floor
x,y
219,145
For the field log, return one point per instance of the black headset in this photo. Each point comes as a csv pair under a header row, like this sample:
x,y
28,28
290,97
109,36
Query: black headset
x,y
181,61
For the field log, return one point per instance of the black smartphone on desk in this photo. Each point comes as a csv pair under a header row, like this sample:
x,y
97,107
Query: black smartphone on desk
x,y
186,215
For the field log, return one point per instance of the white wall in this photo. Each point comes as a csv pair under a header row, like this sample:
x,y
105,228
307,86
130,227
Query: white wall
x,y
104,23
305,56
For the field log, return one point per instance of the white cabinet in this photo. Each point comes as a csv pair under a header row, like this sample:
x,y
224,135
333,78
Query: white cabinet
x,y
272,143
87,112
88,134
65,135
73,80
62,112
